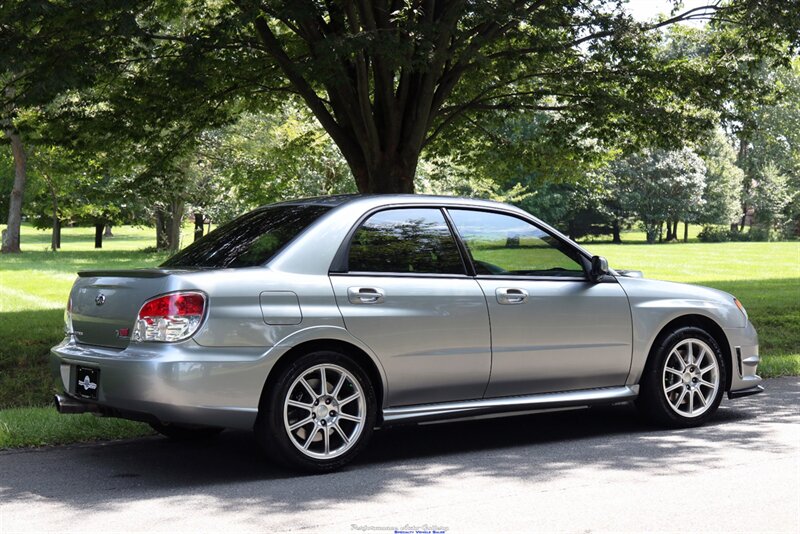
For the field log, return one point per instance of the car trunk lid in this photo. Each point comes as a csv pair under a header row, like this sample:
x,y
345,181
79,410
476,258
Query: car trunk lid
x,y
105,304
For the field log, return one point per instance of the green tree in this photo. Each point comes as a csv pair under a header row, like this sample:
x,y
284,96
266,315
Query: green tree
x,y
48,48
659,186
723,185
769,196
386,80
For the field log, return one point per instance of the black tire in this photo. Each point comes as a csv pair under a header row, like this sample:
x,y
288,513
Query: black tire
x,y
657,404
274,414
184,432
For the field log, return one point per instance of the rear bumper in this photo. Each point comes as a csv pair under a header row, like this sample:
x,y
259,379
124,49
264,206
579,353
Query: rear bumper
x,y
176,383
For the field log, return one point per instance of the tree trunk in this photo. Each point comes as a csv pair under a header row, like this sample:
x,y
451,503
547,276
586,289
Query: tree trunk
x,y
161,230
168,226
55,239
661,232
675,229
391,174
685,232
174,227
11,239
616,233
108,232
55,242
198,226
98,235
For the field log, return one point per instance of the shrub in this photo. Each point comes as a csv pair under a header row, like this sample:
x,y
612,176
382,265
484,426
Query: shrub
x,y
715,234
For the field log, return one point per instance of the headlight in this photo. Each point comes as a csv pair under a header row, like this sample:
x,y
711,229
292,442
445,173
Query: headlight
x,y
741,309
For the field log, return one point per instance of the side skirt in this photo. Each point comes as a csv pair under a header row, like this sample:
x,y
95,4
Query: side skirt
x,y
419,413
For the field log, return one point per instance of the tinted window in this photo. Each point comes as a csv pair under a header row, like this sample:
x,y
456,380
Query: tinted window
x,y
405,241
249,240
505,245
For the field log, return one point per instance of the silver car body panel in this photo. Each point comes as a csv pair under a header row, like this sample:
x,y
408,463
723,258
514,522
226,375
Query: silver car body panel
x,y
434,342
432,335
577,335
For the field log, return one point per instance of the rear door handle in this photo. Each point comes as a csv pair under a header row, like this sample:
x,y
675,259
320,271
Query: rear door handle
x,y
365,295
511,295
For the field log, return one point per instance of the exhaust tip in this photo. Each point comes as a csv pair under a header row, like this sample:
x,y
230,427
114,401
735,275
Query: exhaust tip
x,y
66,404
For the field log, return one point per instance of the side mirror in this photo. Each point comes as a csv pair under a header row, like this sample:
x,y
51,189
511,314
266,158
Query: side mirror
x,y
599,268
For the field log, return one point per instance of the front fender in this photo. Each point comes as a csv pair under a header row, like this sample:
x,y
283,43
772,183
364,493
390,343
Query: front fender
x,y
655,304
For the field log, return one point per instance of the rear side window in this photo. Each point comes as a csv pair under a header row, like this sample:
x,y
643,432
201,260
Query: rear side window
x,y
405,241
249,240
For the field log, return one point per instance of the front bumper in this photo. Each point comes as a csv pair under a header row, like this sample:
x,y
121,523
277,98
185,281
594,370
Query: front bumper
x,y
745,358
175,383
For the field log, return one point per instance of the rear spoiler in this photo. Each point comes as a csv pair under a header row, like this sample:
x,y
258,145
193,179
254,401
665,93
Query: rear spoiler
x,y
127,273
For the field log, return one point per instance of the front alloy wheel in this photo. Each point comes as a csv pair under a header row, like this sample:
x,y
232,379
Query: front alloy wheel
x,y
684,378
691,377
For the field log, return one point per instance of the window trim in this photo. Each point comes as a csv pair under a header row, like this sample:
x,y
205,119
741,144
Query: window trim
x,y
340,264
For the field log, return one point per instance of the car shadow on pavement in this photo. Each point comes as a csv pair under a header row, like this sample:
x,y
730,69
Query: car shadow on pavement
x,y
233,473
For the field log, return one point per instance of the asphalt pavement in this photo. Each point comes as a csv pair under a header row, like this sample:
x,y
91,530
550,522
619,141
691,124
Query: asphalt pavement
x,y
598,470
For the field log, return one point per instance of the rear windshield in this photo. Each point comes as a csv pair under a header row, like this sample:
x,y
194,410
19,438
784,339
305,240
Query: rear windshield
x,y
249,240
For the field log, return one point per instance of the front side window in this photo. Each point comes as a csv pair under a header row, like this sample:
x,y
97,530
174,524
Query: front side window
x,y
249,240
413,240
501,244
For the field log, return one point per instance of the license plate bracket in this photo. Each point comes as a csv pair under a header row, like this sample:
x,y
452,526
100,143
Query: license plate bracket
x,y
87,382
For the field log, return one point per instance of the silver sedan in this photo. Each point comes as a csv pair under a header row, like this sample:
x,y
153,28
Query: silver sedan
x,y
315,321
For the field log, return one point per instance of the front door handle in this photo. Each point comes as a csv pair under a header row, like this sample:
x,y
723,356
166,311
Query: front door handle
x,y
511,295
365,295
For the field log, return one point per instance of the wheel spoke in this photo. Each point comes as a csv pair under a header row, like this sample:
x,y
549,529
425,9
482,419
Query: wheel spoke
x,y
691,402
673,371
702,397
323,381
707,384
310,438
300,423
707,369
326,434
690,353
341,433
700,357
338,387
680,399
348,417
674,386
298,404
349,399
308,388
679,358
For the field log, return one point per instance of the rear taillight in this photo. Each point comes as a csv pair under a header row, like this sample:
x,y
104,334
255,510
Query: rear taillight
x,y
172,317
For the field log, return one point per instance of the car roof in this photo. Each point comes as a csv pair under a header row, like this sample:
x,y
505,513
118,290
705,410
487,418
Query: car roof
x,y
388,199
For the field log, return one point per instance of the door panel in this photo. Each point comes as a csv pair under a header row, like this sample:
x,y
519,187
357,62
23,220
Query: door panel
x,y
430,334
565,335
552,329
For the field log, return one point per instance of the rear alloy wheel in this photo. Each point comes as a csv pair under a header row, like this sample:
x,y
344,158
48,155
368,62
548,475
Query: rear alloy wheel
x,y
683,384
320,413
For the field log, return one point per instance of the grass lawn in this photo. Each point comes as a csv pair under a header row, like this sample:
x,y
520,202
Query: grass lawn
x,y
34,288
